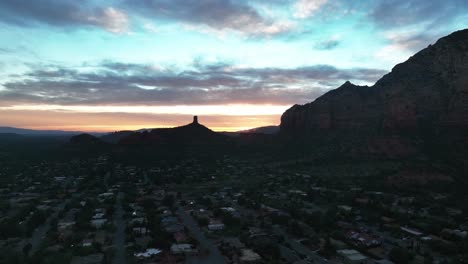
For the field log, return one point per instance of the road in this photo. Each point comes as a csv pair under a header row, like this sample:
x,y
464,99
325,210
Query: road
x,y
214,256
289,255
119,237
40,232
298,247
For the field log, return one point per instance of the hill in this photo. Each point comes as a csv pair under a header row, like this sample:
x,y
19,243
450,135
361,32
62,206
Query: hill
x,y
193,133
85,139
115,137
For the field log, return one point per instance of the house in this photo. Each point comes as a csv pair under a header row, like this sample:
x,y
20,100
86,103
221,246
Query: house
x,y
138,220
140,230
183,249
384,261
148,253
100,211
169,220
98,216
106,195
98,223
249,256
215,225
411,231
351,256
345,209
87,243
62,226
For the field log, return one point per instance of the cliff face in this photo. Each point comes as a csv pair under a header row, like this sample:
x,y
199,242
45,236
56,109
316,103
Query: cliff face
x,y
426,94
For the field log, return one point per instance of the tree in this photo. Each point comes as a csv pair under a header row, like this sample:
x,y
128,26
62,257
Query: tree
x,y
399,255
26,249
168,200
328,249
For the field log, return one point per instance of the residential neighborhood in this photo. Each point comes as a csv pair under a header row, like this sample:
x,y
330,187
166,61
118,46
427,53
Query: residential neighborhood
x,y
100,211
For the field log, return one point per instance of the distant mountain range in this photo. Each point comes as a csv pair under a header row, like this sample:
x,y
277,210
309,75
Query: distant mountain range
x,y
115,137
193,133
32,132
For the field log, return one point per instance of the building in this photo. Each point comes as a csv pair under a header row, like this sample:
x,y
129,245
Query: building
x,y
249,256
87,243
351,256
98,223
148,253
183,249
215,225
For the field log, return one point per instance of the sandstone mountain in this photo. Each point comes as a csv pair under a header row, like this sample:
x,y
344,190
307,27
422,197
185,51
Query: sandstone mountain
x,y
427,94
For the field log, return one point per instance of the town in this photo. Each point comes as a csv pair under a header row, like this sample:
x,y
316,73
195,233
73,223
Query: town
x,y
230,210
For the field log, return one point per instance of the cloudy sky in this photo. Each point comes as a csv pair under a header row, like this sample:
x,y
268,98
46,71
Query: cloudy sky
x,y
97,65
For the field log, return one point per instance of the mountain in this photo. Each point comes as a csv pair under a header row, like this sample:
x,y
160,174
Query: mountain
x,y
115,137
32,132
193,133
419,109
262,130
10,136
426,95
85,139
265,130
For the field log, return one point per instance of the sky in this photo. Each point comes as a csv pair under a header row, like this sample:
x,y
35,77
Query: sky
x,y
94,65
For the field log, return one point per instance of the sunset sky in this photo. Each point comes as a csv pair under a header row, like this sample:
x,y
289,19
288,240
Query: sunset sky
x,y
95,65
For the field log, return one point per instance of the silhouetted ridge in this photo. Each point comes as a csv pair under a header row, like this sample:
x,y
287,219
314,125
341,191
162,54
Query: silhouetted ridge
x,y
191,133
85,139
115,137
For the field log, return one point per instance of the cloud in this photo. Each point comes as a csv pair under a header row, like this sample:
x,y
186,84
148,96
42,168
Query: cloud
x,y
111,19
307,8
135,84
329,44
404,43
60,13
6,50
411,42
409,26
214,15
150,27
398,13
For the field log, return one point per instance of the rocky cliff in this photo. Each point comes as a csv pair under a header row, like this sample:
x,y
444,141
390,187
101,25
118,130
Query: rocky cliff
x,y
427,94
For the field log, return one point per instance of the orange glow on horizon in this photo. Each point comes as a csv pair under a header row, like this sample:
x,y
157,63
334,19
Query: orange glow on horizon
x,y
232,118
108,129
